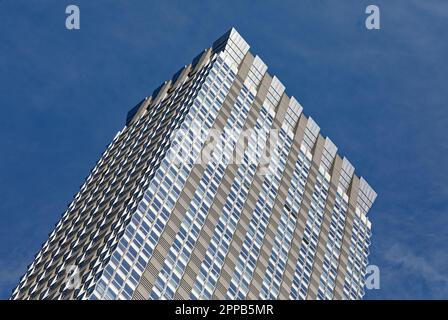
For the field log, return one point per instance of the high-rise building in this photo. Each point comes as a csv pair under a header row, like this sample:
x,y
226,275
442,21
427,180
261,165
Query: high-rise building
x,y
218,186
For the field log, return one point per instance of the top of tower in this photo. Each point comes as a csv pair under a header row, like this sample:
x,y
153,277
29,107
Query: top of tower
x,y
233,44
236,48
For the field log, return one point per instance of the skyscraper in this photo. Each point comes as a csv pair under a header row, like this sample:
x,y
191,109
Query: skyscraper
x,y
217,187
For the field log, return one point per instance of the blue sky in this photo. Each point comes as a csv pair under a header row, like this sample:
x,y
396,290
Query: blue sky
x,y
381,96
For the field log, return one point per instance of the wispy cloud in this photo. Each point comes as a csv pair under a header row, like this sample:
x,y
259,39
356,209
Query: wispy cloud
x,y
10,273
407,262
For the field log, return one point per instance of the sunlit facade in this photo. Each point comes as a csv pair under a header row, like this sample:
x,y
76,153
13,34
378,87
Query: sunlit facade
x,y
155,219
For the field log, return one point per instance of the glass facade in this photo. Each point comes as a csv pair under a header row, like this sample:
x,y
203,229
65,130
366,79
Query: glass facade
x,y
179,254
142,234
283,238
220,243
156,219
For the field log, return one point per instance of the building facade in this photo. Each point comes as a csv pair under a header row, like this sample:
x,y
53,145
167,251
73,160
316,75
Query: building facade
x,y
270,211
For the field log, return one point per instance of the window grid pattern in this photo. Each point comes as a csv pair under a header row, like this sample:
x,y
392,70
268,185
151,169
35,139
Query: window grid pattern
x,y
179,254
219,246
357,259
126,236
310,237
73,224
256,73
104,192
247,260
132,254
333,247
286,228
